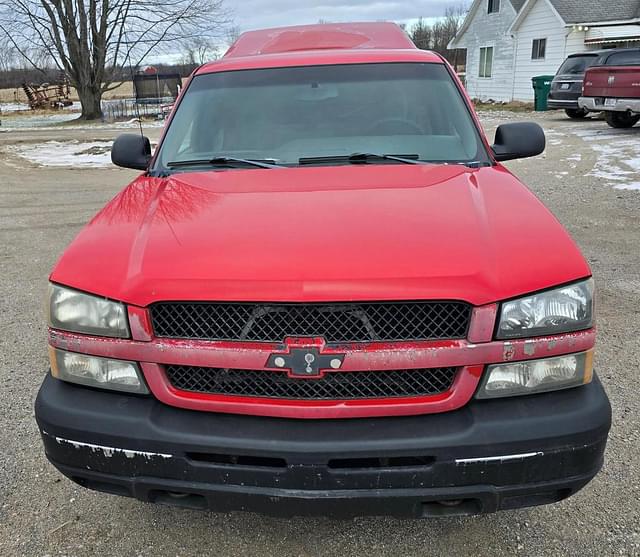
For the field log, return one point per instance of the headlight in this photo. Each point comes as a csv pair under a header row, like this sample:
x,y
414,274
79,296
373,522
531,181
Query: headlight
x,y
77,312
562,310
537,376
93,371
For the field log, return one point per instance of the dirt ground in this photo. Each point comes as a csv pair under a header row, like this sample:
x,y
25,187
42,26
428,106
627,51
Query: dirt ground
x,y
588,177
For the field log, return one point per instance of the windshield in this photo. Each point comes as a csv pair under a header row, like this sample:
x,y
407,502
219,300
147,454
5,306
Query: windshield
x,y
576,65
283,115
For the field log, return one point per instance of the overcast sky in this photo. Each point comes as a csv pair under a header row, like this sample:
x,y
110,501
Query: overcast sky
x,y
260,14
257,14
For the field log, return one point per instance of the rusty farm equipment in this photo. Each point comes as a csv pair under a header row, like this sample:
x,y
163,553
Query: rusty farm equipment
x,y
48,95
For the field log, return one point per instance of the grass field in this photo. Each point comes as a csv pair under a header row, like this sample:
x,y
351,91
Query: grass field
x,y
123,91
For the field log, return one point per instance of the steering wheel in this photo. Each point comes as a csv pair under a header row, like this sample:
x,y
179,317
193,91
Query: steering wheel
x,y
396,126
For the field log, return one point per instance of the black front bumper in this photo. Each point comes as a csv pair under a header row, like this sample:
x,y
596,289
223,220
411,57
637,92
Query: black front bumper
x,y
563,99
488,456
559,104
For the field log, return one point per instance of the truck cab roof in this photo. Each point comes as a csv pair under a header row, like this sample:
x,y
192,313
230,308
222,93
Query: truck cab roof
x,y
320,37
320,44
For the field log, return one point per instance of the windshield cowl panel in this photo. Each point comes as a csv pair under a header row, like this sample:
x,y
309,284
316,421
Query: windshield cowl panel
x,y
280,116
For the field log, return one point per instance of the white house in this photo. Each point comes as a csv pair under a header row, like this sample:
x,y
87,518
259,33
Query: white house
x,y
490,47
510,41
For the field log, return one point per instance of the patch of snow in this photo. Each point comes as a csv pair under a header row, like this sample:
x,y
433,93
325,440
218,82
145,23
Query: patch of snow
x,y
40,123
36,121
12,107
39,119
630,186
618,153
92,154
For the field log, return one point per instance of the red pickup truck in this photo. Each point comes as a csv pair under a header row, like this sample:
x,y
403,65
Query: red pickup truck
x,y
325,295
612,86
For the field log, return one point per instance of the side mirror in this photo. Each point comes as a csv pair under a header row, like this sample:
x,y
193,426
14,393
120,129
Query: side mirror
x,y
518,141
131,151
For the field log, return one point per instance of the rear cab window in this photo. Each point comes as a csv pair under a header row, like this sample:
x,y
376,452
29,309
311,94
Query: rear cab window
x,y
630,58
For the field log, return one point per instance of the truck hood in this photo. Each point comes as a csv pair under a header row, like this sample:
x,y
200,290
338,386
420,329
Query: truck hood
x,y
365,232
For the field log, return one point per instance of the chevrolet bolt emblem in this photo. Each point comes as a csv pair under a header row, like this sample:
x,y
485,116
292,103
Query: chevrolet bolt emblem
x,y
305,361
309,358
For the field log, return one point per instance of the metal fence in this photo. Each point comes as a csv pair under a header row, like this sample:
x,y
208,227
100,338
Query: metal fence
x,y
124,109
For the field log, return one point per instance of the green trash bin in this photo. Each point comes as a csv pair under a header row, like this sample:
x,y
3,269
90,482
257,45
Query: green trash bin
x,y
541,89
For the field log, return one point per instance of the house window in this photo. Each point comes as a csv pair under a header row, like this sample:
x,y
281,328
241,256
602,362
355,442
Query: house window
x,y
494,6
486,61
539,49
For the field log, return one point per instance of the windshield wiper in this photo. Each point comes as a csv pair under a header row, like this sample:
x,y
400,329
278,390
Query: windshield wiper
x,y
224,161
361,158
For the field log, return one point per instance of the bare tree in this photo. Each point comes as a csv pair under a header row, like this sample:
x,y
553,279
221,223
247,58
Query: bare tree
x,y
200,50
91,39
437,37
7,56
232,33
421,34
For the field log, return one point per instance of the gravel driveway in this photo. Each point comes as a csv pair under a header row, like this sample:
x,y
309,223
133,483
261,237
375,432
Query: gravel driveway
x,y
588,177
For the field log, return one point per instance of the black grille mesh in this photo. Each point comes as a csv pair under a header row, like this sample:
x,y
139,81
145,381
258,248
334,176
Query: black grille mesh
x,y
364,322
333,386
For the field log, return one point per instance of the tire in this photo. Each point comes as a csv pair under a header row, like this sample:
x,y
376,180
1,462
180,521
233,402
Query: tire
x,y
621,119
576,113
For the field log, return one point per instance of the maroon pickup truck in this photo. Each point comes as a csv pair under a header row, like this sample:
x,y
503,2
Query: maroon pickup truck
x,y
612,86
